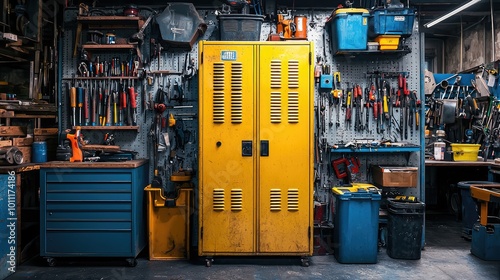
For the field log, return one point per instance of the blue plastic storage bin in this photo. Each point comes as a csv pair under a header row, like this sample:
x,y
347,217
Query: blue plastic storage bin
x,y
355,234
391,22
349,30
486,241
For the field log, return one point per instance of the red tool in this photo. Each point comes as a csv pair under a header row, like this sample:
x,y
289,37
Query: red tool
x,y
133,103
123,103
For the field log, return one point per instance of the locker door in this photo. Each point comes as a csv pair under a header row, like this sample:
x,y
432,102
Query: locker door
x,y
227,162
285,149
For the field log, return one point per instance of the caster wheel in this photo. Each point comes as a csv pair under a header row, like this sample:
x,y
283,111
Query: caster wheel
x,y
208,262
305,262
131,262
51,262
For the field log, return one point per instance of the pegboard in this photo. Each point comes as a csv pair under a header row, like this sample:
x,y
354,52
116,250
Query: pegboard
x,y
335,131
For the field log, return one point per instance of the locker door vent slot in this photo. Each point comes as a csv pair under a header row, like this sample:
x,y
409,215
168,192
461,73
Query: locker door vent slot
x,y
275,74
293,107
275,200
293,74
236,92
218,99
293,200
218,199
236,199
275,107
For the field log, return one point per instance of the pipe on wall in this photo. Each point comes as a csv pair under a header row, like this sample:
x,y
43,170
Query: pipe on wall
x,y
461,44
492,19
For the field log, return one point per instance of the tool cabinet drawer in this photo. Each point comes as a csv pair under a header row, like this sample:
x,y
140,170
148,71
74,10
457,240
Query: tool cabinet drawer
x,y
76,207
101,187
88,197
88,176
89,215
87,225
88,243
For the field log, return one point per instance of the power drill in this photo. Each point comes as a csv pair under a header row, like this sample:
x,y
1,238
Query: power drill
x,y
69,147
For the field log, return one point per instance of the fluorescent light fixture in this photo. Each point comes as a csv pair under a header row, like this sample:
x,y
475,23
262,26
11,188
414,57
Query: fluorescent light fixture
x,y
452,13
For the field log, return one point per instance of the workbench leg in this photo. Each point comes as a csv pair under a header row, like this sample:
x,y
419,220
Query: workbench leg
x,y
484,213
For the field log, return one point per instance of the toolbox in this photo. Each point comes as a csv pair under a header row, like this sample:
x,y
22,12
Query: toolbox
x,y
349,29
391,22
388,42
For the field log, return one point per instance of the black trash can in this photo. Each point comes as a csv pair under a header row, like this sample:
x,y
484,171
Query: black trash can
x,y
405,225
469,206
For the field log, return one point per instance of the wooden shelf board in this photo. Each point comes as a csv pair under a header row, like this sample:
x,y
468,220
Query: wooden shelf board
x,y
108,47
111,127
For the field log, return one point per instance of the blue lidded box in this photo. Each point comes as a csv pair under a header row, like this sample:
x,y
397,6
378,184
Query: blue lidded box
x,y
349,30
391,22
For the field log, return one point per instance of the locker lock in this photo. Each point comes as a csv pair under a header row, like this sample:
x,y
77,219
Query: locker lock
x,y
218,144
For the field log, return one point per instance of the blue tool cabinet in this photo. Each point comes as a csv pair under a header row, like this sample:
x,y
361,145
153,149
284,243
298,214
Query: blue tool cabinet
x,y
93,209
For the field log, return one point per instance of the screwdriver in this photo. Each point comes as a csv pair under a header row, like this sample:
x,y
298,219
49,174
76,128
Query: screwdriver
x,y
72,97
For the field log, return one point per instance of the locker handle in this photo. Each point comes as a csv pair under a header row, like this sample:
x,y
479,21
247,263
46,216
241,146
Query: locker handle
x,y
264,148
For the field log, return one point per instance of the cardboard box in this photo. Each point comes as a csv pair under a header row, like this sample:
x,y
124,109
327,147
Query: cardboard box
x,y
395,176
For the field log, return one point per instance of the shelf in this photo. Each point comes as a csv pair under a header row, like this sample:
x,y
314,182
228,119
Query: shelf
x,y
111,127
110,22
371,53
377,150
104,78
109,47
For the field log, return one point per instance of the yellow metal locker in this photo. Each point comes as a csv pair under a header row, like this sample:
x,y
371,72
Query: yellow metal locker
x,y
256,148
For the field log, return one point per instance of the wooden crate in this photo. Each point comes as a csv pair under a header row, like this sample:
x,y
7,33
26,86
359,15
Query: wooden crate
x,y
12,131
26,153
45,131
5,143
22,141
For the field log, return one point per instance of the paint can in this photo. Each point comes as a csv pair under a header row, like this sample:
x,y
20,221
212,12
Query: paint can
x,y
439,148
39,151
300,27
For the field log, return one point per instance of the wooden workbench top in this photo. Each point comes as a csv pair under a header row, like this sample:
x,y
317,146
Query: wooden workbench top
x,y
121,164
458,163
25,167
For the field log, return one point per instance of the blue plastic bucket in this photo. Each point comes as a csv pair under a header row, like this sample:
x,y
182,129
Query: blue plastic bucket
x,y
39,151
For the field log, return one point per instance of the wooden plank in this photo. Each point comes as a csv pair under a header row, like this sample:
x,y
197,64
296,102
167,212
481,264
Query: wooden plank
x,y
46,131
5,143
105,148
65,164
6,114
112,127
12,131
38,138
24,141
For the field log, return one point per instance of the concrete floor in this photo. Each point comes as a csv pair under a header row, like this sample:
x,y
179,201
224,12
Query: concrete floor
x,y
446,256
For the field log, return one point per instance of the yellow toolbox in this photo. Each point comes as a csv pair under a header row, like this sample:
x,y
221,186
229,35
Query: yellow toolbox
x,y
388,42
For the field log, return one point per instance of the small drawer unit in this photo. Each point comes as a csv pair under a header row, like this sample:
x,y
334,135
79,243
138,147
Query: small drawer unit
x,y
93,210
